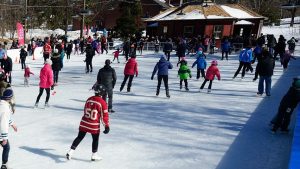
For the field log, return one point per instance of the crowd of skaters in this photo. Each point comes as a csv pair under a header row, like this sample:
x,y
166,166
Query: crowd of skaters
x,y
264,49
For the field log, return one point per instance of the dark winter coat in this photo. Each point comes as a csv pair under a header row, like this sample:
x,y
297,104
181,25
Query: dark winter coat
x,y
7,64
162,67
292,43
225,46
107,77
90,53
291,98
181,50
168,47
56,62
23,54
69,48
265,66
201,63
280,46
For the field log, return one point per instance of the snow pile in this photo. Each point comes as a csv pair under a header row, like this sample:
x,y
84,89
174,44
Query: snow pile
x,y
237,13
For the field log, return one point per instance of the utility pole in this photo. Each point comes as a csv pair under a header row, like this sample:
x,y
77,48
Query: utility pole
x,y
25,20
67,17
82,21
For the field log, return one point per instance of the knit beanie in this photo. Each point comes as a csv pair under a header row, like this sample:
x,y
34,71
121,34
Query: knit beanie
x,y
7,94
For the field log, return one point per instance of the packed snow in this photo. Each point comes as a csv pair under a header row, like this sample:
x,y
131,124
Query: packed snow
x,y
226,129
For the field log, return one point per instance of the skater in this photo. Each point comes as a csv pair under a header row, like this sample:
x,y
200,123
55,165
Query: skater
x,y
225,48
287,105
129,71
201,64
168,47
46,81
264,69
7,65
6,111
27,75
23,55
116,55
47,49
184,73
280,47
162,67
103,44
69,50
90,53
95,111
56,66
292,44
245,58
107,77
286,59
211,72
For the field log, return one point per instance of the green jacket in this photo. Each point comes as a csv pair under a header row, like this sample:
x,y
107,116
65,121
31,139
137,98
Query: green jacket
x,y
184,72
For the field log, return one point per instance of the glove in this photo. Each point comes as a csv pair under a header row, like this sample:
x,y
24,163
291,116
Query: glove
x,y
52,87
152,78
254,79
106,131
190,76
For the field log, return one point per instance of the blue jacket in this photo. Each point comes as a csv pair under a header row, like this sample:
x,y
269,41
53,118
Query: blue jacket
x,y
162,67
246,55
225,46
201,63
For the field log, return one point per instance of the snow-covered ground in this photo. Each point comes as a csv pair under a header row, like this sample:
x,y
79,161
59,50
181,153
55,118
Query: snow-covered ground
x,y
226,129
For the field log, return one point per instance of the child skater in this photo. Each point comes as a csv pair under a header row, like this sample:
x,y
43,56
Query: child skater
x,y
184,72
201,64
116,55
27,75
211,72
95,110
286,59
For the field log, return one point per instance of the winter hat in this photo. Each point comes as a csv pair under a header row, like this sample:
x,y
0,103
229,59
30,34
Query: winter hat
x,y
296,82
214,62
200,49
7,94
107,62
163,56
48,61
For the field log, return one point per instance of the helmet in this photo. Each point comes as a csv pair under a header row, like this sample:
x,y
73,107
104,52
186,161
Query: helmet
x,y
214,62
99,89
296,82
7,94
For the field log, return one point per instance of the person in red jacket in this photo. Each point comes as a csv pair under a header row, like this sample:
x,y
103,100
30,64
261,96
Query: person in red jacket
x,y
46,81
211,72
116,55
129,71
27,75
47,51
95,110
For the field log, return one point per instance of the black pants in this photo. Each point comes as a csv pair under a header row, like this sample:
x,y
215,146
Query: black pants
x,y
202,73
46,56
226,55
108,94
68,56
244,65
126,53
167,53
185,83
41,93
23,63
103,47
89,65
165,79
129,82
79,138
5,152
203,84
55,75
283,117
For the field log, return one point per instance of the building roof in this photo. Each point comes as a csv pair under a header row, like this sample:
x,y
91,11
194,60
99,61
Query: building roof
x,y
200,12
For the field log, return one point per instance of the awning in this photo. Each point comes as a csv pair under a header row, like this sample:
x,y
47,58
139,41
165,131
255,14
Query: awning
x,y
243,22
155,24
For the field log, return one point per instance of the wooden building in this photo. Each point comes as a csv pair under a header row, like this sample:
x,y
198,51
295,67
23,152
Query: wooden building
x,y
202,19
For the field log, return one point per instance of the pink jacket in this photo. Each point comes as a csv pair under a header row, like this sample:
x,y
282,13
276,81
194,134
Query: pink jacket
x,y
46,76
27,72
211,72
131,67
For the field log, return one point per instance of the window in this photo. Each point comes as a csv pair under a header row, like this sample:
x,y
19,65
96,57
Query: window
x,y
188,30
218,30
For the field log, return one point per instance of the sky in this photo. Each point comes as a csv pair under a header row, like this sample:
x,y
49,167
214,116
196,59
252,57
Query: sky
x,y
225,129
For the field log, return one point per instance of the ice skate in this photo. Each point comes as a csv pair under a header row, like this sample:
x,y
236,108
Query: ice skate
x,y
111,111
69,154
186,89
36,105
46,105
209,90
96,157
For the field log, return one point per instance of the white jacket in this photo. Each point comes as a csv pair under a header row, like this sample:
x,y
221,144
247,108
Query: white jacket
x,y
5,121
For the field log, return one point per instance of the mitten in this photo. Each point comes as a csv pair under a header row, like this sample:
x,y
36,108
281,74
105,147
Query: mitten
x,y
106,130
151,77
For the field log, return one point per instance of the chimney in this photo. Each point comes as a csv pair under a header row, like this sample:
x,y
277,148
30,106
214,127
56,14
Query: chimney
x,y
181,2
